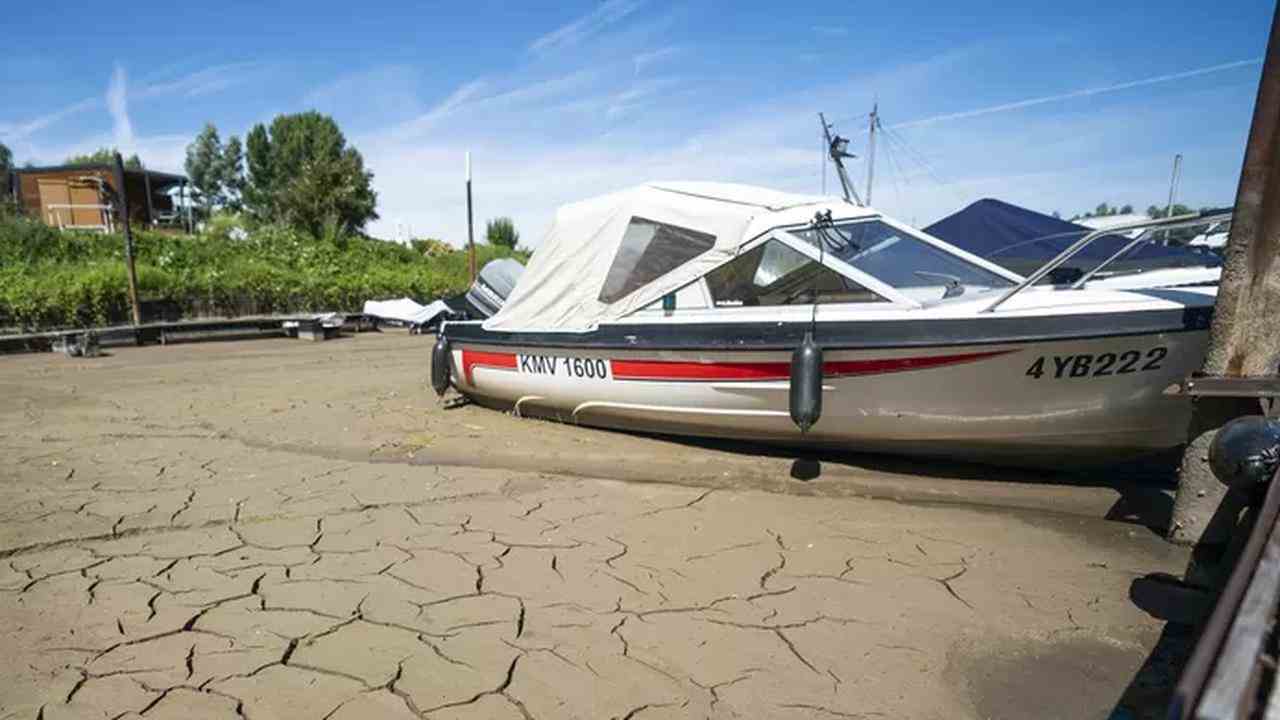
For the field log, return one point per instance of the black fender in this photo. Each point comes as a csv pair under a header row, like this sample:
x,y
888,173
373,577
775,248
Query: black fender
x,y
806,384
441,365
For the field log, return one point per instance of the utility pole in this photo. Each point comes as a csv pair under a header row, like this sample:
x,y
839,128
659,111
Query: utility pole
x,y
1244,339
871,150
471,235
128,240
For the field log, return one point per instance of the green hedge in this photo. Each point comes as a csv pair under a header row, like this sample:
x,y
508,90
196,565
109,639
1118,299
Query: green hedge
x,y
52,279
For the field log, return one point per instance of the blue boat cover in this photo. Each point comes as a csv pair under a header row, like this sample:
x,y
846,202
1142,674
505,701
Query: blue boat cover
x,y
1022,240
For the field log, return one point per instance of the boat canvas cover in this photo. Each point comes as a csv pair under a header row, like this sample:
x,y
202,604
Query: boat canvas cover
x,y
571,283
407,311
1022,240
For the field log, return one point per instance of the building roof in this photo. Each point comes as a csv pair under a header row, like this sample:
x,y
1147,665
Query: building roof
x,y
156,175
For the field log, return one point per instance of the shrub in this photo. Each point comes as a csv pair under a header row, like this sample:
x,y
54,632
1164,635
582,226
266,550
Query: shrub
x,y
51,278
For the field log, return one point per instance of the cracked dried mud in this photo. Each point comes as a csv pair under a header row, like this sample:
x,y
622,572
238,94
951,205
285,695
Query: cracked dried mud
x,y
277,529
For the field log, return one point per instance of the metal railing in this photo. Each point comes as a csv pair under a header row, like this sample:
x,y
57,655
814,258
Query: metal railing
x,y
106,215
1173,223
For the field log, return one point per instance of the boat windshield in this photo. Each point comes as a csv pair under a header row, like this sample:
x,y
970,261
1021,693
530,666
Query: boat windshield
x,y
776,274
902,260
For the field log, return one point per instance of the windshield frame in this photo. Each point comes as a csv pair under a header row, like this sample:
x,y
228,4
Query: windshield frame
x,y
894,296
969,271
870,282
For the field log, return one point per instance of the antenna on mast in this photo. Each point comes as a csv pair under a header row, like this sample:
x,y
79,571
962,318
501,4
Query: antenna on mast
x,y
838,150
871,149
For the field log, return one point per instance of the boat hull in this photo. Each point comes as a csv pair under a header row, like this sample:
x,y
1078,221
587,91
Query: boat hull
x,y
1093,399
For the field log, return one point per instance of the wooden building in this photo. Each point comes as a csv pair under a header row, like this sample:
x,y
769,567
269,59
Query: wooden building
x,y
86,196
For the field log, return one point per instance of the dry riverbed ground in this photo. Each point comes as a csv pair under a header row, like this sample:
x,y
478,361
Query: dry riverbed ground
x,y
278,529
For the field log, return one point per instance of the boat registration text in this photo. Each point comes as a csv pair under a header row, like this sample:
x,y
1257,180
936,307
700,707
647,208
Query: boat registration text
x,y
574,367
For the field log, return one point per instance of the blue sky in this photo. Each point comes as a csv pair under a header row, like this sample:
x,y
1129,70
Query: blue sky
x,y
1051,105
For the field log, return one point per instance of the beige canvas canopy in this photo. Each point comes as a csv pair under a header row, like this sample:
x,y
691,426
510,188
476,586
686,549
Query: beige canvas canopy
x,y
609,256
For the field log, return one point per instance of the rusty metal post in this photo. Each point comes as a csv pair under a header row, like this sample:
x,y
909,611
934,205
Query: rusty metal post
x,y
1244,339
128,241
146,181
471,235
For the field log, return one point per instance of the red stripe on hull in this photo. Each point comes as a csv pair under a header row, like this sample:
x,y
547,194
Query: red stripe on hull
x,y
472,358
681,370
731,371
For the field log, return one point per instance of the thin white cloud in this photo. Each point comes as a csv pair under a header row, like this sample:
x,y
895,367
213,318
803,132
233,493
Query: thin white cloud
x,y
11,132
643,60
609,12
476,96
118,106
1087,92
202,82
463,94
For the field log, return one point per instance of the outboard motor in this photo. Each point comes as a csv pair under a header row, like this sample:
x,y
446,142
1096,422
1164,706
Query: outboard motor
x,y
441,365
806,384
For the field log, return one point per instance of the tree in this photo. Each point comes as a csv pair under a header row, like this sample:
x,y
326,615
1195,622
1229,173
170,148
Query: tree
x,y
204,167
1163,211
104,156
259,180
501,231
1105,210
6,166
1173,237
302,172
216,170
430,246
231,173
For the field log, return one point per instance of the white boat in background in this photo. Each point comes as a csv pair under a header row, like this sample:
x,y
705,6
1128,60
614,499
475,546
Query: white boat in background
x,y
676,308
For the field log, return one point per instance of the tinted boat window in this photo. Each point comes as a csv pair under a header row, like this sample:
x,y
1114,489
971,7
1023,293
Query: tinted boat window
x,y
774,274
648,251
899,259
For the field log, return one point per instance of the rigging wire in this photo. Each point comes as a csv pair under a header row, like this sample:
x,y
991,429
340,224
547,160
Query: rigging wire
x,y
822,141
895,138
893,176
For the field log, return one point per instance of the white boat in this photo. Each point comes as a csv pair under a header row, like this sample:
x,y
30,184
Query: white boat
x,y
675,308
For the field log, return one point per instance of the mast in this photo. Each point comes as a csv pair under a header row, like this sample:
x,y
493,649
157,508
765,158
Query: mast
x,y
837,150
871,150
1173,184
